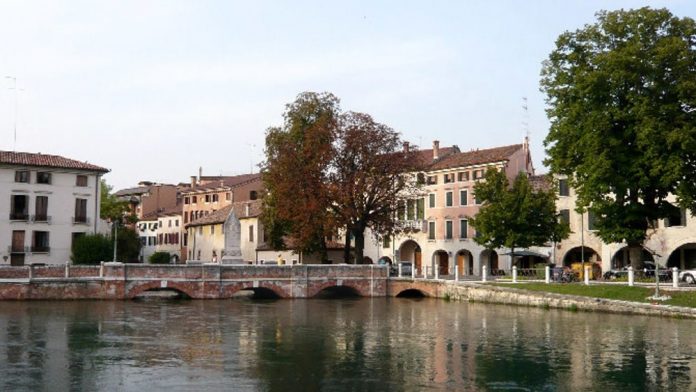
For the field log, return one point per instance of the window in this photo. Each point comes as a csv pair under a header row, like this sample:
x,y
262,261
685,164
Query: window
x,y
253,195
80,180
43,178
591,220
228,196
477,200
215,198
251,233
431,200
207,198
563,187
159,239
565,216
40,242
212,229
386,242
19,207
22,176
448,199
431,230
448,230
199,254
176,222
432,180
677,217
463,228
449,178
186,239
159,224
187,200
463,198
41,209
169,223
463,176
420,178
420,210
478,174
80,211
194,200
410,209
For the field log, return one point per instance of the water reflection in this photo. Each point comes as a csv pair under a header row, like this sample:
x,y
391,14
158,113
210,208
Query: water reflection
x,y
351,344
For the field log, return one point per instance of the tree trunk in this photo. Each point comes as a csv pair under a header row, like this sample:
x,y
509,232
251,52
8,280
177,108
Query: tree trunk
x,y
635,254
346,247
359,245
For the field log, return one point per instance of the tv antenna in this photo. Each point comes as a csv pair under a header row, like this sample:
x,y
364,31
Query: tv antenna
x,y
525,117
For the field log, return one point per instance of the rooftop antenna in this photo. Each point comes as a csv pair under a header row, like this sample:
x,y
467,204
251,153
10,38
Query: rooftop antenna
x,y
16,106
525,117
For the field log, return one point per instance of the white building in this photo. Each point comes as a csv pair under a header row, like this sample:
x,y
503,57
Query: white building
x,y
46,201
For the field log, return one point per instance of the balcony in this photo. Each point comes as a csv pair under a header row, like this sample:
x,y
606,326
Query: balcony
x,y
42,218
17,249
40,249
81,220
19,216
411,225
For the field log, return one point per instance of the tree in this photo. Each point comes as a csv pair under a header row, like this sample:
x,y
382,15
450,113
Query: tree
x,y
128,247
111,208
369,174
160,258
621,96
295,173
515,217
92,249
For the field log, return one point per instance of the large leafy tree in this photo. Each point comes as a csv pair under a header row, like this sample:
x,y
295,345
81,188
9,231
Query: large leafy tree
x,y
111,208
295,173
368,175
621,97
517,216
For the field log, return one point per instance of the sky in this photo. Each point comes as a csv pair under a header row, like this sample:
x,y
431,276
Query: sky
x,y
153,90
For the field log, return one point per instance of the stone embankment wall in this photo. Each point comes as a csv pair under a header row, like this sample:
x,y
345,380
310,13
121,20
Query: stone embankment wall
x,y
123,281
476,292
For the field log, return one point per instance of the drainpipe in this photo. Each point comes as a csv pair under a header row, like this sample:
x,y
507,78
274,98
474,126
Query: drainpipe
x,y
96,203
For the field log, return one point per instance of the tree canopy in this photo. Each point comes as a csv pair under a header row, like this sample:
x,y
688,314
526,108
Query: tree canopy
x,y
516,216
621,98
111,208
326,170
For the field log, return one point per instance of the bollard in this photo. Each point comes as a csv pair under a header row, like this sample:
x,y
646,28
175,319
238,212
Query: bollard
x,y
101,269
514,274
675,277
67,269
547,274
484,269
587,276
456,273
436,272
413,271
399,270
630,276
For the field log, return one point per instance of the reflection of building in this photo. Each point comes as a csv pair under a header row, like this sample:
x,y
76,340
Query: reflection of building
x,y
46,201
438,234
672,244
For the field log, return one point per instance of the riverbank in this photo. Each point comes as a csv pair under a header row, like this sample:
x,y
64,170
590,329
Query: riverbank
x,y
505,294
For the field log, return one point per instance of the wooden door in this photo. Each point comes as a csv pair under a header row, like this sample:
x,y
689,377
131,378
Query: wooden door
x,y
18,241
460,263
443,261
417,260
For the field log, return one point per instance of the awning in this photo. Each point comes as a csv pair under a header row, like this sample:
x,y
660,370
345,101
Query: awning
x,y
521,253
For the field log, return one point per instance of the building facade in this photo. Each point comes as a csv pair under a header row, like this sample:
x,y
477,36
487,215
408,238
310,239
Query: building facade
x,y
46,201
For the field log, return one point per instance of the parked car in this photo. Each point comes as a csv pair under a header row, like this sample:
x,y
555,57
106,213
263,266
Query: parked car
x,y
688,276
647,270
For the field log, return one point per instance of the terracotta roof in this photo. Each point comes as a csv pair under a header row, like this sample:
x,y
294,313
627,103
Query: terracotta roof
x,y
221,215
227,182
138,190
45,160
425,157
174,210
476,157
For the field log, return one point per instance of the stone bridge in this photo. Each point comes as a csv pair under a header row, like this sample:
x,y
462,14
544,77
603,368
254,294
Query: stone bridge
x,y
206,281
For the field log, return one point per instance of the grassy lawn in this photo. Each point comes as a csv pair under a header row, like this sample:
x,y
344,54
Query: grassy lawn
x,y
624,293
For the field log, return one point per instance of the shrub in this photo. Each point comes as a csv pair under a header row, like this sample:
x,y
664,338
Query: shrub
x,y
91,249
128,245
160,258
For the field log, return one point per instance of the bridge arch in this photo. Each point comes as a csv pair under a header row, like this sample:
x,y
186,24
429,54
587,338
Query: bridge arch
x,y
157,285
263,288
411,293
315,289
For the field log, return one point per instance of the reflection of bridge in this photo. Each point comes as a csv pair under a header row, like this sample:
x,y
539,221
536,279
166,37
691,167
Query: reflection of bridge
x,y
123,281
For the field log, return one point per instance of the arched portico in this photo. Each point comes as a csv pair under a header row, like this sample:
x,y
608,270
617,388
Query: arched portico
x,y
410,251
576,254
465,262
683,257
622,259
489,258
441,262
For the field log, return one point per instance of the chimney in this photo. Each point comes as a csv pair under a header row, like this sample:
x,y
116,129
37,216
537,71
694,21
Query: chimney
x,y
246,210
436,149
193,181
406,145
200,173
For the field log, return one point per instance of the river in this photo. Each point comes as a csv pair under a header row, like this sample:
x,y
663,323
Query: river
x,y
336,345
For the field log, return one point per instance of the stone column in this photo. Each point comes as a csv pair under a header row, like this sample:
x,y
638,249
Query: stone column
x,y
630,276
547,274
484,271
675,277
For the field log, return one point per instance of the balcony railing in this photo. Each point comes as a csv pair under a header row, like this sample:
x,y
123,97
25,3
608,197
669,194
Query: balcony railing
x,y
81,220
19,216
17,249
40,249
411,225
41,218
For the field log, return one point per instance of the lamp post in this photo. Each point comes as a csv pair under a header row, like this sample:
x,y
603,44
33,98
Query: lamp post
x,y
115,238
